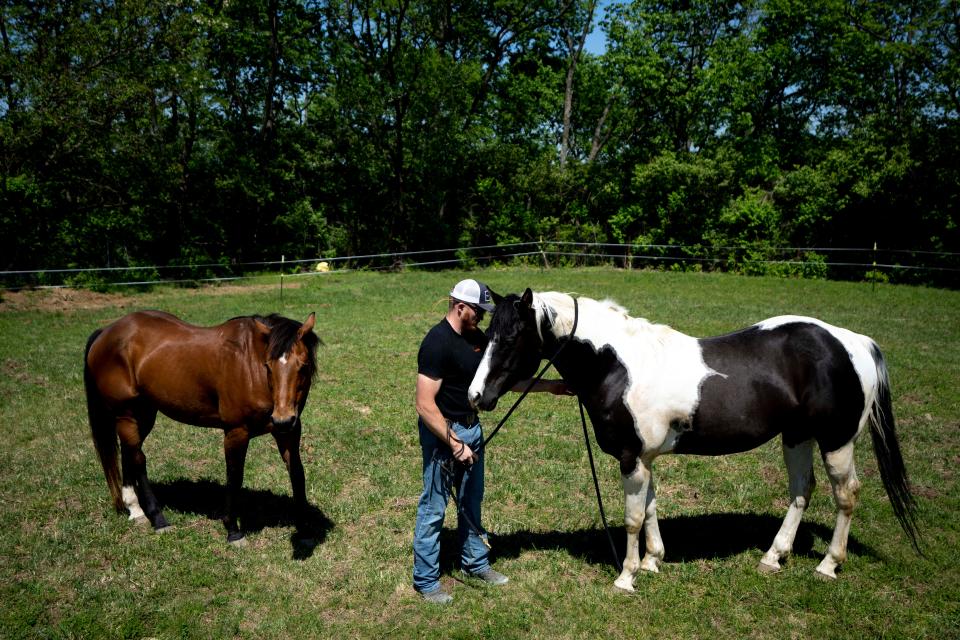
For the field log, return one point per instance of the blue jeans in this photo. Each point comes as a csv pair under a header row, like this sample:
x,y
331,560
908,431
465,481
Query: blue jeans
x,y
474,555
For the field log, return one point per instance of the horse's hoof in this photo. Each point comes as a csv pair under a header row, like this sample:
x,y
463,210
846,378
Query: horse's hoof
x,y
239,543
163,529
141,521
623,586
763,567
826,577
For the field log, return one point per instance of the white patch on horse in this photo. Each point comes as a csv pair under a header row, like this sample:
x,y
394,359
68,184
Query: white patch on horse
x,y
480,377
665,368
130,500
283,359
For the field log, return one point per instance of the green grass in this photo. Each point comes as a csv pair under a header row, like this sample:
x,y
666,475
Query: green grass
x,y
71,567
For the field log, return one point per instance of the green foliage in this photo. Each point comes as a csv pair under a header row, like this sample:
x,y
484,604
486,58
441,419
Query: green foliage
x,y
306,231
751,218
807,200
152,132
672,200
876,276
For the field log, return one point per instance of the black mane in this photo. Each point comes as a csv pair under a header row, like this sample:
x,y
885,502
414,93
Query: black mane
x,y
505,317
283,335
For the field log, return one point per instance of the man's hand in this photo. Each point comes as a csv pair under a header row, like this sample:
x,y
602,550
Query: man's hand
x,y
462,452
427,390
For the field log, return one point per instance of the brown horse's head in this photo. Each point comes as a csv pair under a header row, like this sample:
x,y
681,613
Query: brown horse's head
x,y
291,364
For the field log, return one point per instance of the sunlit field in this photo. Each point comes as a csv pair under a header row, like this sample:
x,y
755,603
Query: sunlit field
x,y
71,567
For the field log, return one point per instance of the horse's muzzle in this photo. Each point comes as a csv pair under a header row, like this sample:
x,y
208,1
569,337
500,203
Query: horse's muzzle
x,y
482,402
284,425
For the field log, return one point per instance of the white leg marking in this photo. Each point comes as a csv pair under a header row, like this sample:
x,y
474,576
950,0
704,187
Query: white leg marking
x,y
846,488
130,500
654,556
799,461
635,487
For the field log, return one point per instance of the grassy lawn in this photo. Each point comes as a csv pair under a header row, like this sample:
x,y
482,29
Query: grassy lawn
x,y
71,567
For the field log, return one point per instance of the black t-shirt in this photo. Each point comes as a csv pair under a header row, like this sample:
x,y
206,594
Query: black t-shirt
x,y
446,355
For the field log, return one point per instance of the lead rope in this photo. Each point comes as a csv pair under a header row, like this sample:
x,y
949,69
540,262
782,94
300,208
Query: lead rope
x,y
535,379
449,466
596,486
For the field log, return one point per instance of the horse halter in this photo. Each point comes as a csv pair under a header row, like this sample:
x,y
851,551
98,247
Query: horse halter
x,y
449,467
536,378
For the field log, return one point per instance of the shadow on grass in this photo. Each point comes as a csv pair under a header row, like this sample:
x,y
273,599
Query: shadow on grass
x,y
259,510
686,538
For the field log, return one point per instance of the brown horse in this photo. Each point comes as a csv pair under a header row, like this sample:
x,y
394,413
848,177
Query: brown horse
x,y
247,376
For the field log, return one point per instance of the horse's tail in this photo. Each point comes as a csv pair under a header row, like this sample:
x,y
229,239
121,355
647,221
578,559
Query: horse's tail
x,y
886,447
102,427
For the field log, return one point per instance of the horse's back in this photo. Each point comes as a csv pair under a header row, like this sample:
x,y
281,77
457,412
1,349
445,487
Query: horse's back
x,y
150,325
793,375
111,352
155,355
860,348
130,337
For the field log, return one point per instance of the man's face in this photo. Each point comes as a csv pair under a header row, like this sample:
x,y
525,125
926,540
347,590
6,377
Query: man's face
x,y
470,315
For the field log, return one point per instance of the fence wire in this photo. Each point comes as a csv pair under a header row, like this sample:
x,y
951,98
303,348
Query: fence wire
x,y
894,265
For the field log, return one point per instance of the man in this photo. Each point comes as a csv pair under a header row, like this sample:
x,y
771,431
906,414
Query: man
x,y
448,359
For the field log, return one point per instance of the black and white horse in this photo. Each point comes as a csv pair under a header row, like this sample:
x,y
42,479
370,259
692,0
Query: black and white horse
x,y
651,390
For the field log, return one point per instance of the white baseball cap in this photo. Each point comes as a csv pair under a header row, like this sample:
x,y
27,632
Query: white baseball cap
x,y
473,292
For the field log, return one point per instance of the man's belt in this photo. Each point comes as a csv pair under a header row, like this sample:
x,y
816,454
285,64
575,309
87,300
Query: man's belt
x,y
468,419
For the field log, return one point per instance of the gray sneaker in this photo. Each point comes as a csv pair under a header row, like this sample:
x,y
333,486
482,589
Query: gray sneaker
x,y
437,596
488,575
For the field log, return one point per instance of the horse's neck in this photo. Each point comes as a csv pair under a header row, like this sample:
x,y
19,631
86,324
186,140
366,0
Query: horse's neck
x,y
565,316
246,346
556,315
601,323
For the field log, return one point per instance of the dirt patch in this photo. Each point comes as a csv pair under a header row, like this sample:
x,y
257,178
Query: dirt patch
x,y
72,299
19,371
60,300
362,409
924,491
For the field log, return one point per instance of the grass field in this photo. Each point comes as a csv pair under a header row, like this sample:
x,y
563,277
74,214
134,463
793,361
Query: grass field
x,y
71,567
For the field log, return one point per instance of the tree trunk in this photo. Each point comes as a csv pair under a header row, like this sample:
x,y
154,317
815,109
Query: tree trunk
x,y
575,49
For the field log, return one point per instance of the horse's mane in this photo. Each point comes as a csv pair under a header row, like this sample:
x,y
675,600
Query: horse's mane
x,y
505,316
283,335
557,309
554,312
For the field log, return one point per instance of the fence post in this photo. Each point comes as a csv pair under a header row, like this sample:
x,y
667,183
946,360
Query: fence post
x,y
546,265
283,259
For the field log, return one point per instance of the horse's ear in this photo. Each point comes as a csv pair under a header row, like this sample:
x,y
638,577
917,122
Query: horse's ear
x,y
527,298
497,298
261,331
307,326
